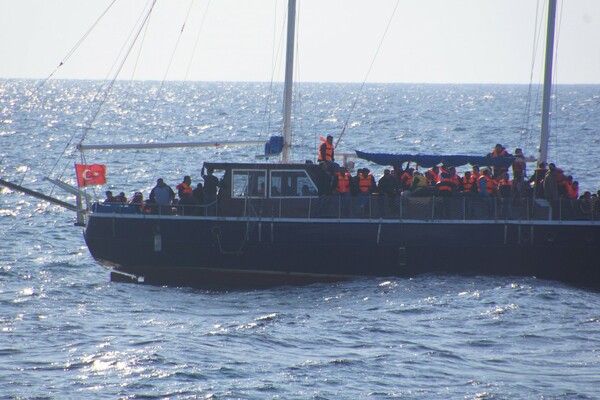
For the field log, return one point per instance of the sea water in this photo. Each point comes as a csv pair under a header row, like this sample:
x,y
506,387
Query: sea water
x,y
66,331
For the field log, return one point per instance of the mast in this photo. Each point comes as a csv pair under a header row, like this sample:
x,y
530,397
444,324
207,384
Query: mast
x,y
287,87
545,131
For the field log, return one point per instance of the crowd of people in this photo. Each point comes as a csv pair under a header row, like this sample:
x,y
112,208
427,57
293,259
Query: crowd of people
x,y
547,181
200,200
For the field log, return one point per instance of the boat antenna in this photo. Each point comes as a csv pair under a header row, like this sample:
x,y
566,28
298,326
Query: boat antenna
x,y
288,83
545,130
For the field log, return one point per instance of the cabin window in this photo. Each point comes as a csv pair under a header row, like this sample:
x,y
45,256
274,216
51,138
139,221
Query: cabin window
x,y
249,183
295,183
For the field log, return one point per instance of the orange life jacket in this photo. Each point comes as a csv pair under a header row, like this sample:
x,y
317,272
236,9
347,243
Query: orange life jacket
x,y
571,191
406,179
490,184
343,182
500,153
469,184
447,183
185,188
432,177
328,151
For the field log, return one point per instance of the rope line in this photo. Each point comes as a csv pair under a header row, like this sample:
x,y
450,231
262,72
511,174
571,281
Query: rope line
x,y
387,27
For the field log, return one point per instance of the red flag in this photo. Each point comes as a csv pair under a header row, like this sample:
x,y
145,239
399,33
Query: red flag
x,y
94,174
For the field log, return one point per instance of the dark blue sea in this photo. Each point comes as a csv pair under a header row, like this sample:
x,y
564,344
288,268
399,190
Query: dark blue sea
x,y
67,332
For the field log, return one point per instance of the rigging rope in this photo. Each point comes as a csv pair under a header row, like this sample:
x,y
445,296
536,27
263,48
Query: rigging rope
x,y
106,92
275,57
528,106
81,40
162,83
555,88
200,29
367,75
39,86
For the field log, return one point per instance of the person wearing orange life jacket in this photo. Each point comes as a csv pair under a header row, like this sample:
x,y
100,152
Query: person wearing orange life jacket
x,y
366,185
366,181
433,175
188,205
486,184
342,181
341,185
448,182
468,186
406,179
326,151
469,183
504,185
475,172
572,190
487,189
499,151
184,188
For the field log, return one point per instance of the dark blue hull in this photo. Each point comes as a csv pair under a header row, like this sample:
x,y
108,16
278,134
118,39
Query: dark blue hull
x,y
242,252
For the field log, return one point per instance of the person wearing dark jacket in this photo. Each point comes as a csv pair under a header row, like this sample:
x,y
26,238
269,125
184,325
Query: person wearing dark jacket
x,y
387,187
211,186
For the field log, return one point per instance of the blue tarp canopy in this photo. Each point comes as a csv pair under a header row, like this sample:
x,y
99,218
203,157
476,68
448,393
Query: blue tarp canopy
x,y
428,161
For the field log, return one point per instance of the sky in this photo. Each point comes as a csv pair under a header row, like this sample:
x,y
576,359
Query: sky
x,y
412,41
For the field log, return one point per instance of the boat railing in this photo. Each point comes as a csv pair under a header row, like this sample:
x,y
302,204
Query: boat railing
x,y
462,207
155,209
430,208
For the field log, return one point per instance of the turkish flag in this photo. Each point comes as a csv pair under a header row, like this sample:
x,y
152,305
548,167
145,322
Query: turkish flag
x,y
94,174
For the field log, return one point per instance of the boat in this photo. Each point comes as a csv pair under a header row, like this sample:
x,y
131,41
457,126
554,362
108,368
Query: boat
x,y
277,223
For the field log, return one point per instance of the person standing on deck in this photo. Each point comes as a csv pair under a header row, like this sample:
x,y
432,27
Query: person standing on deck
x,y
341,185
186,198
499,152
198,194
326,151
536,180
162,196
387,187
550,185
211,186
519,167
487,189
366,186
